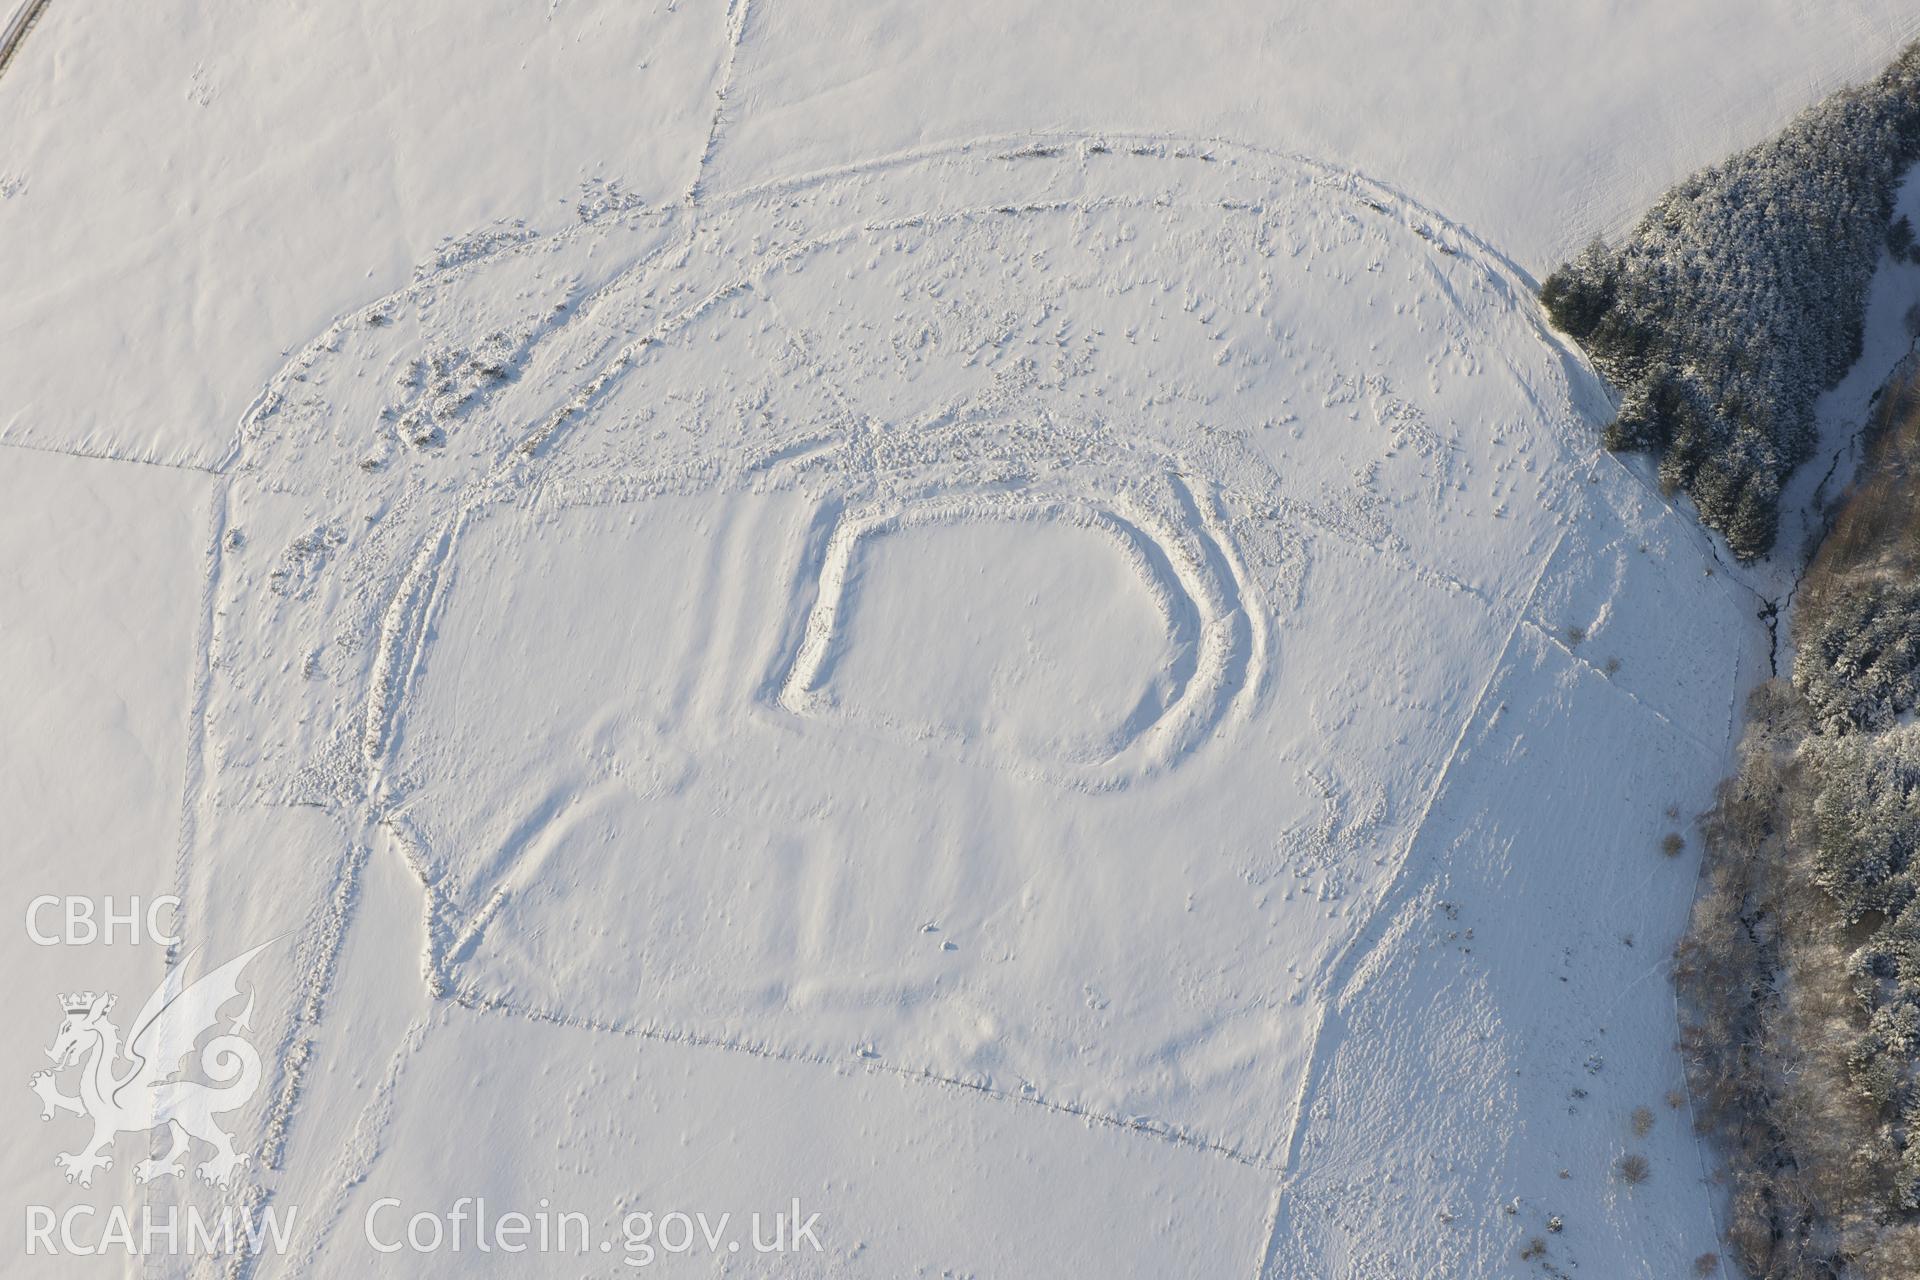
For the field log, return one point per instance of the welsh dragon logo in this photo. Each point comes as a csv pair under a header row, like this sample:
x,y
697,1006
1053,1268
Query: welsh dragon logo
x,y
132,1087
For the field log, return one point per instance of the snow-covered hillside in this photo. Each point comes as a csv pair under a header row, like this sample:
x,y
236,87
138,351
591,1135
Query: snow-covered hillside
x,y
190,190
994,621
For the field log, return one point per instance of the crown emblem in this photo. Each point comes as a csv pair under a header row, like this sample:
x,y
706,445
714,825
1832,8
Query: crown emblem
x,y
171,1024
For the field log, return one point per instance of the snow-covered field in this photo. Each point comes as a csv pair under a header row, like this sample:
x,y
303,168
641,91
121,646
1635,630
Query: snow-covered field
x,y
1001,620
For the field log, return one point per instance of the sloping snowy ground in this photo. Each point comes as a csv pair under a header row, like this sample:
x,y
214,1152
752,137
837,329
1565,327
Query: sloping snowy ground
x,y
694,604
98,558
188,190
1077,700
